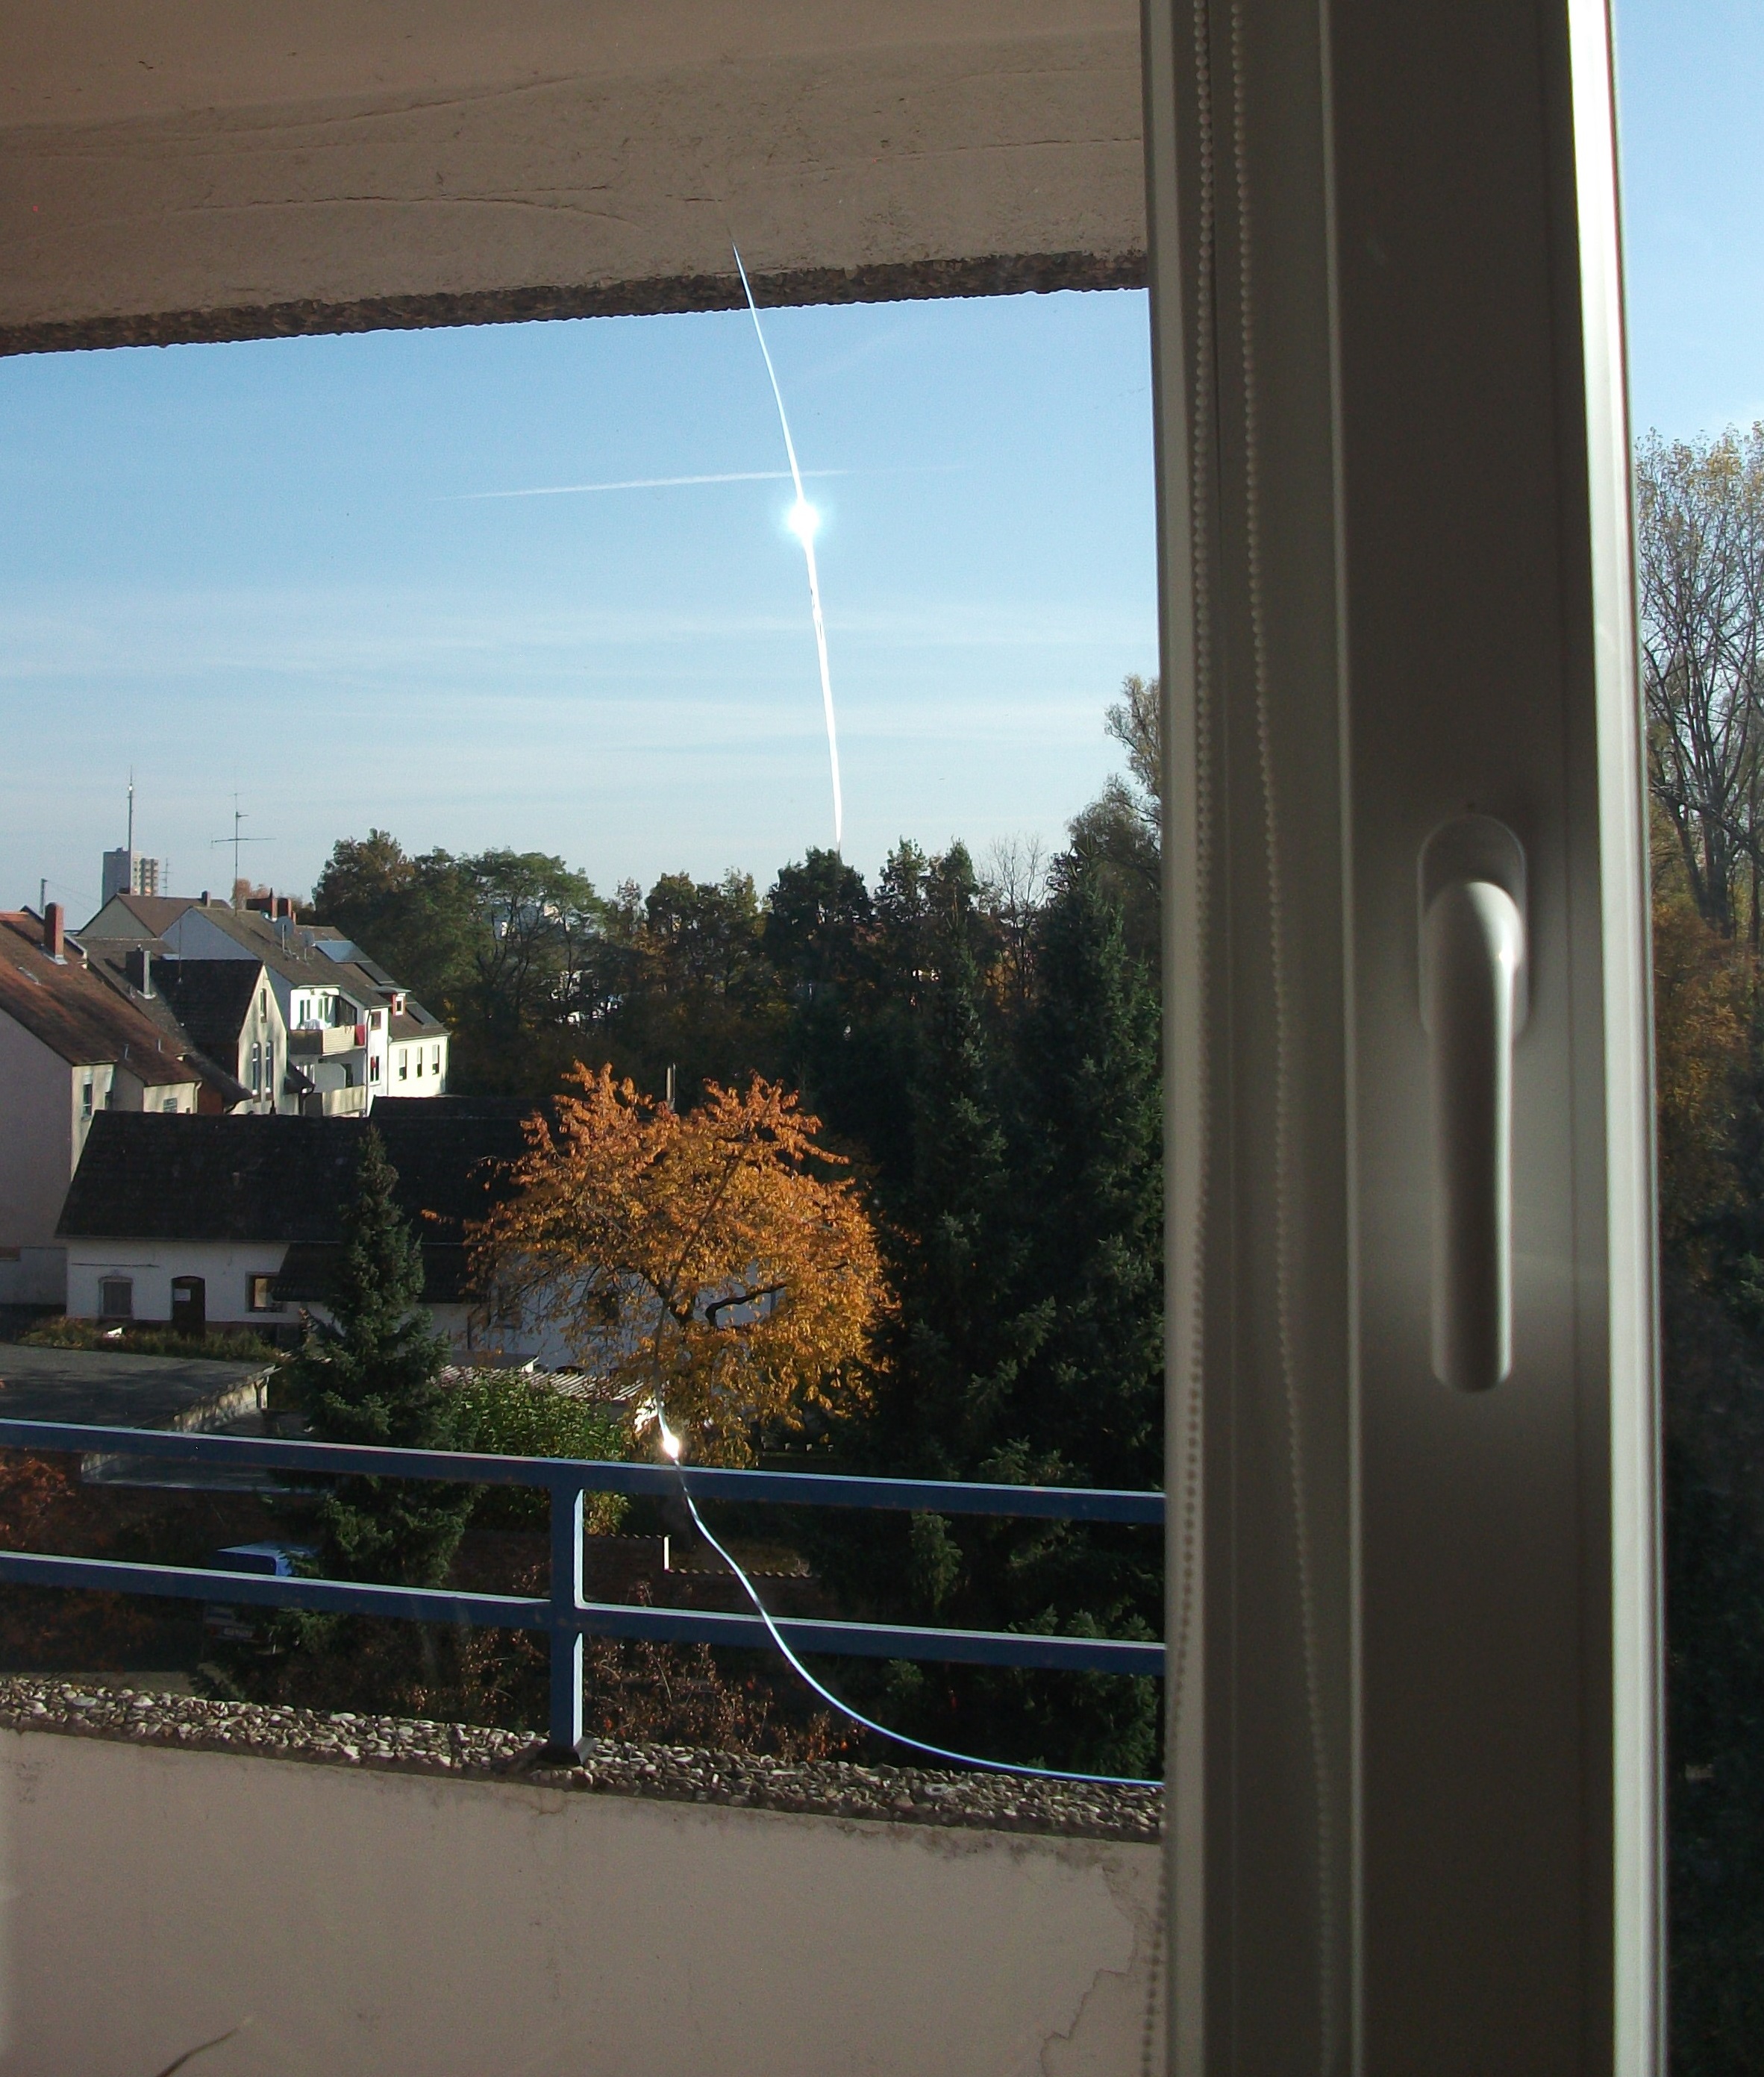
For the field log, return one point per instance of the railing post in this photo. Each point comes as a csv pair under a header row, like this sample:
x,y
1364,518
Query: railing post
x,y
565,1743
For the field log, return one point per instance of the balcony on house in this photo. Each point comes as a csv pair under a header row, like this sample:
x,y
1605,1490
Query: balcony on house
x,y
327,1042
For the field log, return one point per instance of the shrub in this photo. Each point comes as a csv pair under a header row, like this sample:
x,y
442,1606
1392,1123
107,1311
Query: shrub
x,y
514,1413
232,1345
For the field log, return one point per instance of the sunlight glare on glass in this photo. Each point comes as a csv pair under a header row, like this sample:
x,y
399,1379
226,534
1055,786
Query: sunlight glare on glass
x,y
804,520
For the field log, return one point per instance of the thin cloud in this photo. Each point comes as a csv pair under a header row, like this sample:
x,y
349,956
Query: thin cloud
x,y
690,482
632,483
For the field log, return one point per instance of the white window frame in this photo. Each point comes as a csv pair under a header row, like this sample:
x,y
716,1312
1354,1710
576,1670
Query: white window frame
x,y
1414,1633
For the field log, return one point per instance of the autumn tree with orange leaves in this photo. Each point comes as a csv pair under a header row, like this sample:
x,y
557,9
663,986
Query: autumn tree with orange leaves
x,y
714,1264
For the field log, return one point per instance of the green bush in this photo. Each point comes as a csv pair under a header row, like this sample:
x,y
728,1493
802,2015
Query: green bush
x,y
232,1345
514,1413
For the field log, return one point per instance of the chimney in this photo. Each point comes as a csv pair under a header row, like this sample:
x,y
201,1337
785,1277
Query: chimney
x,y
140,968
53,932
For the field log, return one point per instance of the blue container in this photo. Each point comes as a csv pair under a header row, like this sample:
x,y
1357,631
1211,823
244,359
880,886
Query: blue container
x,y
276,1560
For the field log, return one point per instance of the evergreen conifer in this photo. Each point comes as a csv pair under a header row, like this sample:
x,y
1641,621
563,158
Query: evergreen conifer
x,y
372,1376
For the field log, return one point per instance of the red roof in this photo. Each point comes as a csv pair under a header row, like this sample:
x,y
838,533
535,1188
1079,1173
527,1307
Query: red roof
x,y
74,1014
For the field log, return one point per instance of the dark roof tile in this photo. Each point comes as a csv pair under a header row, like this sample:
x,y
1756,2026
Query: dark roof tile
x,y
149,1177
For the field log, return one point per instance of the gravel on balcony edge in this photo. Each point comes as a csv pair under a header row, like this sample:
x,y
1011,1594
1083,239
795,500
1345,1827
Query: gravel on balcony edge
x,y
677,1774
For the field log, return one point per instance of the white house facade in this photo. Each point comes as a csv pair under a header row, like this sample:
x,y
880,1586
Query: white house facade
x,y
69,1052
239,1222
331,1031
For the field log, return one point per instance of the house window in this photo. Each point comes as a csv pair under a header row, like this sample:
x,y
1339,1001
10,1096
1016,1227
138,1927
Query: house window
x,y
116,1298
86,1098
374,1067
262,1294
419,1064
434,1065
404,1063
256,1068
170,1104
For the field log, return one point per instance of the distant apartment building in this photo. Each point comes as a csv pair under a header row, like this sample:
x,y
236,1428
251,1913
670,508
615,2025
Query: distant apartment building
x,y
318,1031
71,1049
128,872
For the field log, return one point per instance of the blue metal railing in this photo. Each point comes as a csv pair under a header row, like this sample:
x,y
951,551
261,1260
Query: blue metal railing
x,y
563,1614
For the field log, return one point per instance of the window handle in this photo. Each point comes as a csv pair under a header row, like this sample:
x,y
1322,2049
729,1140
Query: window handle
x,y
1474,1000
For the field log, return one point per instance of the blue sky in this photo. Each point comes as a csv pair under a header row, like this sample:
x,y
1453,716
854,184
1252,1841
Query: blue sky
x,y
1691,84
278,568
288,568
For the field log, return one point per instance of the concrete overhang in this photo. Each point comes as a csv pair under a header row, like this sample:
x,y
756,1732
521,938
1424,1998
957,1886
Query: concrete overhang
x,y
219,171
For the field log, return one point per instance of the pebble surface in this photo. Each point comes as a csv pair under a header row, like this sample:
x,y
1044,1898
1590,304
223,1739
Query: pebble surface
x,y
993,1802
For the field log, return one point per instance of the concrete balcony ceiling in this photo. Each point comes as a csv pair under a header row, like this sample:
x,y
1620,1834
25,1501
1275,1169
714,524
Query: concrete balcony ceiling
x,y
214,172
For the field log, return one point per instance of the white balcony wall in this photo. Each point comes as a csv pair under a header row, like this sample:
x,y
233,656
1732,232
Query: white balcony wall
x,y
408,1926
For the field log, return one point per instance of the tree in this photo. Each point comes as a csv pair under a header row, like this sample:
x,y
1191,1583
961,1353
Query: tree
x,y
1120,834
496,944
1090,1058
1700,1047
961,1338
362,879
1026,1249
710,1262
420,918
1699,548
1013,890
679,979
817,922
372,1375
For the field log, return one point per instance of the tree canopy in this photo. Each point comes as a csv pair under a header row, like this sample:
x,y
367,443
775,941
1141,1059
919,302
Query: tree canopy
x,y
905,1209
715,1265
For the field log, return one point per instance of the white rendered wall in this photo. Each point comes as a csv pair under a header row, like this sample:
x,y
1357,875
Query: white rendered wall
x,y
408,1051
225,1267
41,1133
127,1093
266,1027
387,1925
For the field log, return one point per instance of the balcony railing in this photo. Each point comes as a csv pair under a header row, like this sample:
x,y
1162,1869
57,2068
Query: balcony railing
x,y
563,1614
319,1041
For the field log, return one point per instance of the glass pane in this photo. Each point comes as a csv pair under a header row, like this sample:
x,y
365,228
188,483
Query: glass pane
x,y
497,728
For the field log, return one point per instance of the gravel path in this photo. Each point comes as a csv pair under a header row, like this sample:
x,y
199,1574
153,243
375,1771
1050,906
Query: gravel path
x,y
677,1774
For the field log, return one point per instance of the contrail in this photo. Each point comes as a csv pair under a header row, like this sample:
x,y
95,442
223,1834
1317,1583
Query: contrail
x,y
634,482
803,520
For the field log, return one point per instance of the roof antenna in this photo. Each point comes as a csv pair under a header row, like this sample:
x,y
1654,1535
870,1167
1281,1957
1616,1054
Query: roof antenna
x,y
132,824
235,840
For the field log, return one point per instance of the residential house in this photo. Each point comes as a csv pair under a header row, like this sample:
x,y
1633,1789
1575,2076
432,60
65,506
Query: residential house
x,y
71,1049
416,1040
239,1221
334,1031
225,1007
